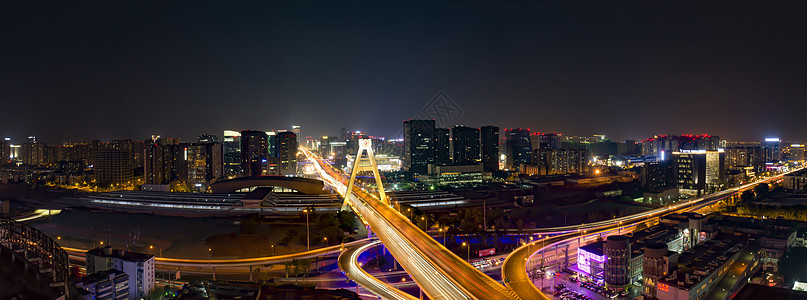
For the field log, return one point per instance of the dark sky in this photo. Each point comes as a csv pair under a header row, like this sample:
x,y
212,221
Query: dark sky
x,y
628,69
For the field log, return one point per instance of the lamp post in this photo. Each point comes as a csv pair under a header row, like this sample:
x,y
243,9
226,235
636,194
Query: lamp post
x,y
325,239
484,214
307,232
469,249
273,250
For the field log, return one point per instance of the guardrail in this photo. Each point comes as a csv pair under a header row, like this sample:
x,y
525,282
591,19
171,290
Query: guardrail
x,y
38,249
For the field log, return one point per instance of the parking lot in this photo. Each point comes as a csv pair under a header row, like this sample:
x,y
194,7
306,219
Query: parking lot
x,y
562,287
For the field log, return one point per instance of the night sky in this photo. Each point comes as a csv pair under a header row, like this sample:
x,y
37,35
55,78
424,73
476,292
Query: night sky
x,y
77,70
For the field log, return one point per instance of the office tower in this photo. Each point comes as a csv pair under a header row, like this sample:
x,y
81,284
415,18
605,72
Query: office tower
x,y
442,146
138,266
795,152
296,130
324,148
271,142
549,141
658,175
287,152
489,142
207,138
418,146
771,148
666,144
254,152
697,170
231,153
465,142
352,140
204,165
519,149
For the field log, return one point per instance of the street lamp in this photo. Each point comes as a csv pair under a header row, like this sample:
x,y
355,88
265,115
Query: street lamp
x,y
469,249
325,239
307,232
273,250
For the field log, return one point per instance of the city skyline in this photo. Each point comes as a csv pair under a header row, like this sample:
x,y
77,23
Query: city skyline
x,y
115,70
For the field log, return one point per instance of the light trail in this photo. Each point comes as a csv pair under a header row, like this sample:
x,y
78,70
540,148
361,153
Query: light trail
x,y
348,262
38,214
515,265
438,272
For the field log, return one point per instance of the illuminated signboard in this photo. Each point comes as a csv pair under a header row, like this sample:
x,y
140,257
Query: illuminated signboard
x,y
585,258
486,252
663,287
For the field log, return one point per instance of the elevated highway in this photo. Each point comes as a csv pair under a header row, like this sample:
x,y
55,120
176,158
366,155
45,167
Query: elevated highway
x,y
438,272
514,269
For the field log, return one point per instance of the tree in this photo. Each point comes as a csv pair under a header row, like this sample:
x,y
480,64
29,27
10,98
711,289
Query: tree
x,y
327,219
791,265
333,233
747,197
762,190
347,220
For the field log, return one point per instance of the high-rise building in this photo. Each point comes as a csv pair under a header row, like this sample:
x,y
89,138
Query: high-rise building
x,y
795,152
549,141
659,175
204,165
418,146
771,148
113,166
699,170
745,156
254,152
666,144
287,152
519,148
138,266
157,163
296,130
34,153
560,161
489,142
207,138
465,142
442,146
5,152
231,153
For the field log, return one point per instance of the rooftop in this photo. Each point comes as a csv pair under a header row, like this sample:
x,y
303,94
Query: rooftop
x,y
122,254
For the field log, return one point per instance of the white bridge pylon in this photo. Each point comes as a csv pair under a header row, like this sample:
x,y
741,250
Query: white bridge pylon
x,y
365,145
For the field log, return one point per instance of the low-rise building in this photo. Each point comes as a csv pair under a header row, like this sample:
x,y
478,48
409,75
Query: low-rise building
x,y
105,285
138,266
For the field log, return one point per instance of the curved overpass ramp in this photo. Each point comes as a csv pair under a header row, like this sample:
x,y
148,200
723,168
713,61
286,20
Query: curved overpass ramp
x,y
300,184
